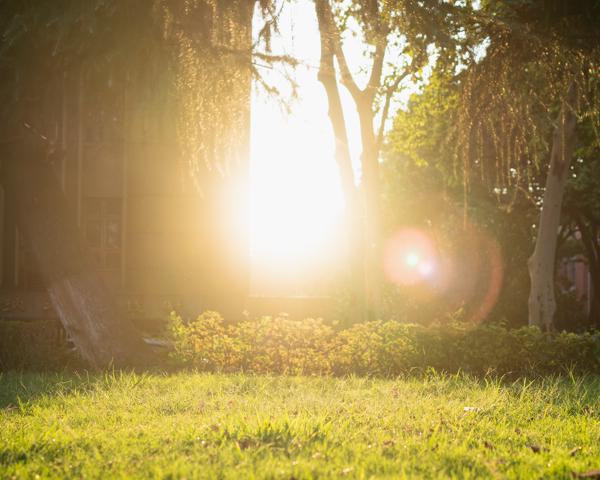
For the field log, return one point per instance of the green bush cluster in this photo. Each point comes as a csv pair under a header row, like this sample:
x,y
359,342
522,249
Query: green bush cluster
x,y
265,345
379,348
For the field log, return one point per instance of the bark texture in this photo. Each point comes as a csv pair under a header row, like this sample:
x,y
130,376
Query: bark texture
x,y
86,308
542,301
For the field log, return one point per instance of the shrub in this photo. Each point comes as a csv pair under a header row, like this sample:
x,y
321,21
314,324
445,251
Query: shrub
x,y
379,348
206,343
264,345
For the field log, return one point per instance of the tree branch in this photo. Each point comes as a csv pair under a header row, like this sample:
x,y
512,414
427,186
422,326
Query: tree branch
x,y
327,76
386,108
333,34
376,71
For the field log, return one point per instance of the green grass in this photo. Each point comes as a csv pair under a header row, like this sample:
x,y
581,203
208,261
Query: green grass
x,y
189,425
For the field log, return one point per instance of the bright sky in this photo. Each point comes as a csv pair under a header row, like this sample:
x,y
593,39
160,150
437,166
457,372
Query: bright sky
x,y
296,197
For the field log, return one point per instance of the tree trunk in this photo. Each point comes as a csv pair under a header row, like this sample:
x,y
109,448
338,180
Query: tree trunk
x,y
373,262
353,222
366,206
85,306
542,302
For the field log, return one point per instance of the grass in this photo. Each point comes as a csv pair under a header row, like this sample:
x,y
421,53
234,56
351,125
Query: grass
x,y
192,425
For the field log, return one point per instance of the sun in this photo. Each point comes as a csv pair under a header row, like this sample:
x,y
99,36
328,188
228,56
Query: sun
x,y
296,198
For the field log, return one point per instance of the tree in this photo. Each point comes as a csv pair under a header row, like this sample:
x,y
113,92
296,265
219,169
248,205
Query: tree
x,y
537,77
542,302
582,210
421,176
408,28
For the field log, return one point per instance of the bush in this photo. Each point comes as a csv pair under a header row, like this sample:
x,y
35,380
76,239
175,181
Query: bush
x,y
264,345
281,345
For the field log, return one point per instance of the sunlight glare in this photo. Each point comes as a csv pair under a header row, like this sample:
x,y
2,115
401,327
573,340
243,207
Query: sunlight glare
x,y
296,197
296,200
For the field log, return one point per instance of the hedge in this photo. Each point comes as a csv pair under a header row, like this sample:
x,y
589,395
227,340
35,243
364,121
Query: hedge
x,y
378,348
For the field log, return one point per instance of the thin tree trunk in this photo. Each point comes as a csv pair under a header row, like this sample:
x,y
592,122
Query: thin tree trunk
x,y
372,223
542,302
594,313
353,218
327,77
366,205
86,308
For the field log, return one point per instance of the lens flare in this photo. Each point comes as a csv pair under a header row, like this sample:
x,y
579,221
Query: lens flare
x,y
409,257
490,275
412,260
465,272
426,268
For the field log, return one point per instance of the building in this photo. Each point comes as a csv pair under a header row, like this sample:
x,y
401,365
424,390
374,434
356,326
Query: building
x,y
165,230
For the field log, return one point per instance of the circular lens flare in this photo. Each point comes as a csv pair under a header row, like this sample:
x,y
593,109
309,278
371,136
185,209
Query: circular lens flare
x,y
447,270
409,257
426,268
412,260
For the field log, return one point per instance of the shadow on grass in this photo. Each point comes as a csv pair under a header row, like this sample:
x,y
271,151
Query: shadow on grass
x,y
18,389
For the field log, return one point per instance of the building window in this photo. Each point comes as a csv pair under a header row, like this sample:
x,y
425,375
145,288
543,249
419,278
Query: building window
x,y
102,224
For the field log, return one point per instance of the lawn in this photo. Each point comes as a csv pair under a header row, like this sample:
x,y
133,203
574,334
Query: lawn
x,y
192,425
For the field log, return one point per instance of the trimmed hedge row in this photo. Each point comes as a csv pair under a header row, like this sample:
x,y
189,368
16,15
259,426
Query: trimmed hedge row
x,y
379,348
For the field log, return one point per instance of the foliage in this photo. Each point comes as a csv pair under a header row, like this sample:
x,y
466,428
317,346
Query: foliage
x,y
581,213
210,52
420,175
265,345
510,96
423,131
105,40
380,348
189,61
126,425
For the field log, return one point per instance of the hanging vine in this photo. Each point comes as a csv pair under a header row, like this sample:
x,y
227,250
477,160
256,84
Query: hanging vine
x,y
510,100
211,57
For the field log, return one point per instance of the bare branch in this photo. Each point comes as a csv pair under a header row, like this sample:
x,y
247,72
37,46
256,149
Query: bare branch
x,y
376,71
386,108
